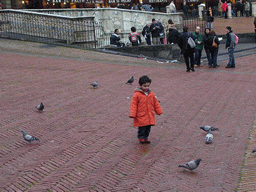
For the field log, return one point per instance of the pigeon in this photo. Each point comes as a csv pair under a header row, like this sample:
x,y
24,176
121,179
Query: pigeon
x,y
29,138
191,165
40,107
130,81
95,84
209,137
207,128
254,151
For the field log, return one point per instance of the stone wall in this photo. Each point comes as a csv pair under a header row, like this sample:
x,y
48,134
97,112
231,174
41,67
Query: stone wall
x,y
122,19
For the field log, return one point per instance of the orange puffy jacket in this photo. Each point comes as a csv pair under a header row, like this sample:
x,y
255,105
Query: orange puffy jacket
x,y
143,108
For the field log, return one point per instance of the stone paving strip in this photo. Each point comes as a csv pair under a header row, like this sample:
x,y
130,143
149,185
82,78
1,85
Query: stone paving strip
x,y
87,142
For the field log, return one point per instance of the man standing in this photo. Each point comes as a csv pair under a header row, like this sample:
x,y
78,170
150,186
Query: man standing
x,y
220,8
185,9
172,7
199,46
225,9
186,49
230,45
155,29
247,8
146,33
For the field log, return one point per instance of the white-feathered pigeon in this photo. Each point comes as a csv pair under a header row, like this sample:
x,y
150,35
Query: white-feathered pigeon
x,y
29,138
191,165
209,137
95,84
207,128
130,81
40,107
254,151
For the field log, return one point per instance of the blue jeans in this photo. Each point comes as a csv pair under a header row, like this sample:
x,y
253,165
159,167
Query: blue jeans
x,y
144,131
198,54
231,61
148,40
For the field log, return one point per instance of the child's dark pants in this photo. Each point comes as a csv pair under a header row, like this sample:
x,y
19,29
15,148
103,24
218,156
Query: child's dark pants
x,y
143,132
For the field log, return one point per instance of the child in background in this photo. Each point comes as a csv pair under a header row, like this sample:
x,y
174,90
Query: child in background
x,y
143,107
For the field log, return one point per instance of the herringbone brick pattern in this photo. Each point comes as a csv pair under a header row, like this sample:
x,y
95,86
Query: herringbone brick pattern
x,y
87,142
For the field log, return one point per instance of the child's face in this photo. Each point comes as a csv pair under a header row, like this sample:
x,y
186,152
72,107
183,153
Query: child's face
x,y
145,87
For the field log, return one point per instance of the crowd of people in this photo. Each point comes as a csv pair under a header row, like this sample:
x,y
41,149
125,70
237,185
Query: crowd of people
x,y
209,41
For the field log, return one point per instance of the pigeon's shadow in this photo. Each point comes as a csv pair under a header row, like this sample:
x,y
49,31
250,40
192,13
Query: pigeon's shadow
x,y
187,172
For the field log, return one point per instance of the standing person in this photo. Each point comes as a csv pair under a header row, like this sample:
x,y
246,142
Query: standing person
x,y
143,107
151,8
230,45
115,39
161,32
185,9
220,8
134,37
146,33
214,49
210,19
154,29
199,46
186,50
208,45
242,8
247,8
172,7
225,9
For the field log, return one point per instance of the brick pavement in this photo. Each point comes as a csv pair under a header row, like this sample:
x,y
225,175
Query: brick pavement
x,y
87,140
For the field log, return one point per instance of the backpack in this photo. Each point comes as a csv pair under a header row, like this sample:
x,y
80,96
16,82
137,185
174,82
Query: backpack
x,y
191,42
236,39
134,38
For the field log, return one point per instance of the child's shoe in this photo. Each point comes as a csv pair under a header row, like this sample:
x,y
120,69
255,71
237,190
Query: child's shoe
x,y
142,140
146,141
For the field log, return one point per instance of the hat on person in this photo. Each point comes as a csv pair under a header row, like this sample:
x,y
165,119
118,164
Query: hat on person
x,y
153,19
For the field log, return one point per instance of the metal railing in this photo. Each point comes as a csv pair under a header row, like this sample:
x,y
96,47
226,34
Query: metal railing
x,y
191,20
54,29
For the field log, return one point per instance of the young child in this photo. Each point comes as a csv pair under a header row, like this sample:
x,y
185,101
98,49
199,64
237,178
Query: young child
x,y
143,107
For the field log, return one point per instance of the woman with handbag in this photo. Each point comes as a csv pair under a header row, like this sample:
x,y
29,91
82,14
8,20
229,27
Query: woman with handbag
x,y
214,49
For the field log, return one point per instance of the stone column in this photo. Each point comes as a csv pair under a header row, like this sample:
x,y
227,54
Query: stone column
x,y
200,9
229,11
254,9
168,9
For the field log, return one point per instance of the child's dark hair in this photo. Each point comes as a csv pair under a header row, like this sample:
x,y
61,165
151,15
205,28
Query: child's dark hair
x,y
133,29
144,79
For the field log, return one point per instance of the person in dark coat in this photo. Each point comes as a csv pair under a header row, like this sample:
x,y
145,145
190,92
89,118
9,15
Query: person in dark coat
x,y
185,9
208,45
186,50
146,33
214,50
155,29
115,39
173,36
230,45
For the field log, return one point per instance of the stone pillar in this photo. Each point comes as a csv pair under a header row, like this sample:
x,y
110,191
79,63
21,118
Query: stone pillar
x,y
254,9
168,9
229,11
200,9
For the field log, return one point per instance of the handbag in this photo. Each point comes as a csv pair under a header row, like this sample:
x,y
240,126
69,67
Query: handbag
x,y
161,35
191,42
214,44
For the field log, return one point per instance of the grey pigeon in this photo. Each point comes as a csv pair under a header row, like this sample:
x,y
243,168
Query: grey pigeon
x,y
29,138
95,84
207,128
254,151
130,81
191,165
209,137
40,107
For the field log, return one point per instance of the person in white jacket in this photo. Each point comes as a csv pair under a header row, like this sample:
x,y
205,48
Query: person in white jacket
x,y
172,7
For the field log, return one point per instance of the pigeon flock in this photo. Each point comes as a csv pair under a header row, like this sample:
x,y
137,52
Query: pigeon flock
x,y
192,165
